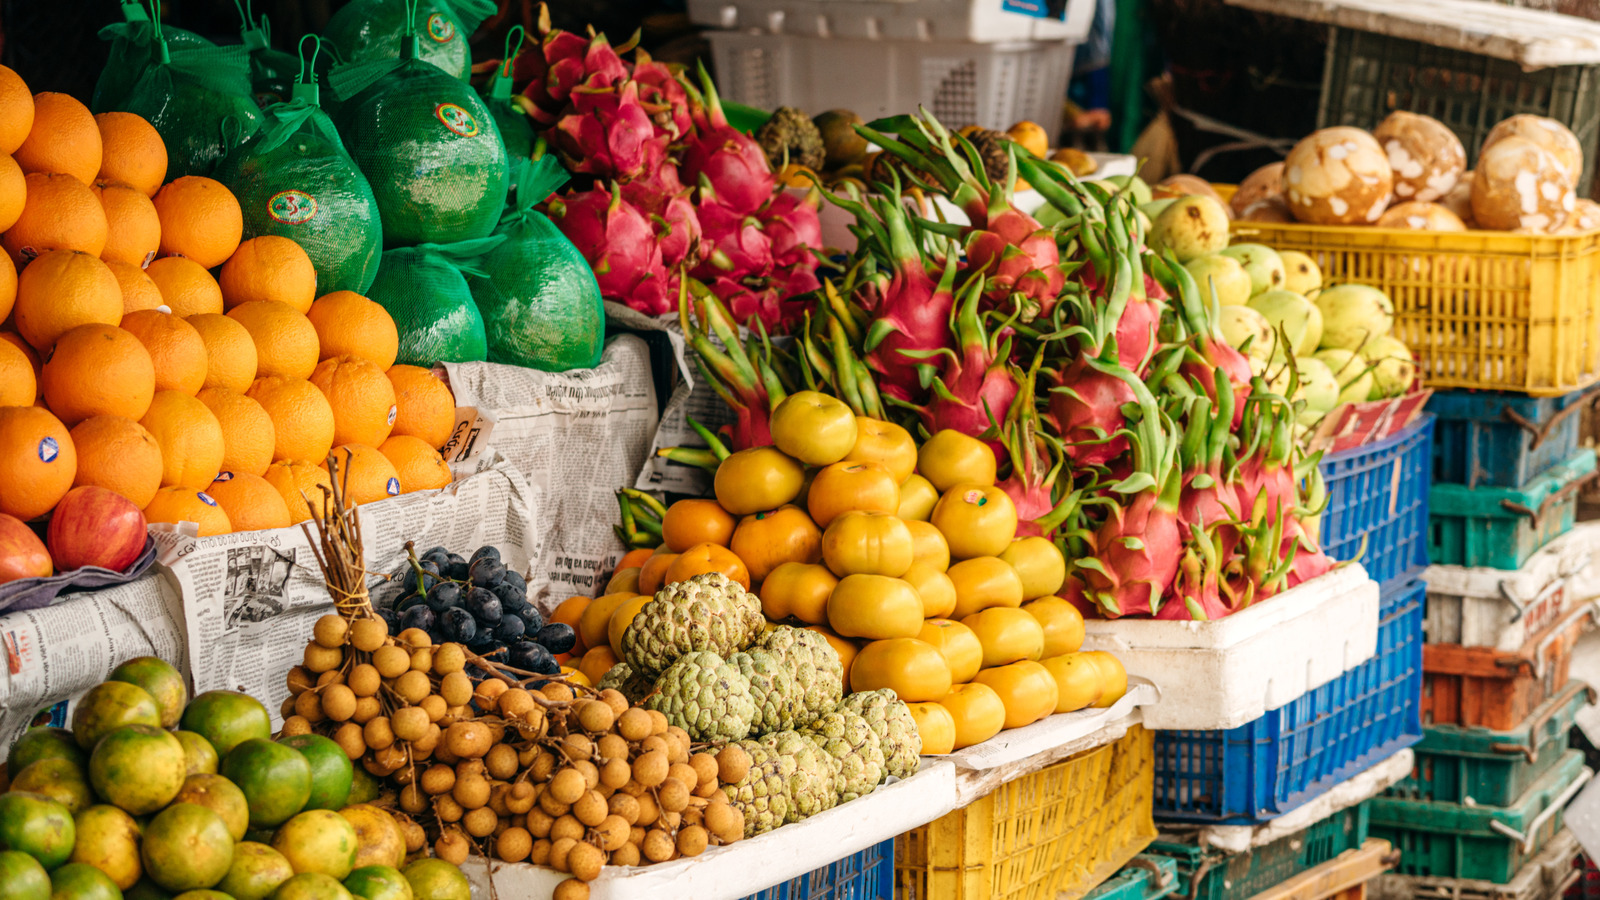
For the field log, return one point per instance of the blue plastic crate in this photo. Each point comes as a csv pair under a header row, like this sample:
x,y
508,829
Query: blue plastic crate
x,y
1380,492
1295,753
1501,439
866,875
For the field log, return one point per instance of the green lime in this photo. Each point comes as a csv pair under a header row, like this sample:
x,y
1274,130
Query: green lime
x,y
58,779
435,879
160,680
22,878
110,706
198,754
311,886
40,743
276,780
37,826
331,773
363,787
378,883
186,847
138,768
219,795
81,881
108,839
256,872
225,718
318,840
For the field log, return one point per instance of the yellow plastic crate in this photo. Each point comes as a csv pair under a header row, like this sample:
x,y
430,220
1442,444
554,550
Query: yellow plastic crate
x,y
1050,835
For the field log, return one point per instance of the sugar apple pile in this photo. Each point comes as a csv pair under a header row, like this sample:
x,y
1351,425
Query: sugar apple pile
x,y
709,612
706,696
846,736
763,794
896,729
621,677
814,666
779,702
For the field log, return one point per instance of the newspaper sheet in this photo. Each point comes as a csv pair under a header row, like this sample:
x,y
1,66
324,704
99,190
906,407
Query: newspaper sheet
x,y
54,654
577,436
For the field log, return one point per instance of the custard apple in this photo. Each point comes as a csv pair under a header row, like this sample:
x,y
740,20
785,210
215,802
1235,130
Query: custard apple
x,y
814,786
632,685
847,737
778,698
763,794
790,136
897,731
706,696
707,612
814,665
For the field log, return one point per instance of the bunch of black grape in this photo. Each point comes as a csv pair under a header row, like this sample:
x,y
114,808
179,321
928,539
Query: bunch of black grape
x,y
482,604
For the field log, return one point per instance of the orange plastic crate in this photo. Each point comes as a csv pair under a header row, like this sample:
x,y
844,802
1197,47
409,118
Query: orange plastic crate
x,y
1481,686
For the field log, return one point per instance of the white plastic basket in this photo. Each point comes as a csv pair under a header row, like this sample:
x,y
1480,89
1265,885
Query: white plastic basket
x,y
1481,607
979,21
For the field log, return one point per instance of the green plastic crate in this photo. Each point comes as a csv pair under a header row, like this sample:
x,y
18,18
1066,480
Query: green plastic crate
x,y
1450,840
1235,876
1457,764
1147,876
1502,527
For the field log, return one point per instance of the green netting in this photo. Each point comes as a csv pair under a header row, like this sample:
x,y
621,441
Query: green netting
x,y
200,102
516,130
424,288
429,148
133,49
366,30
272,72
538,296
295,180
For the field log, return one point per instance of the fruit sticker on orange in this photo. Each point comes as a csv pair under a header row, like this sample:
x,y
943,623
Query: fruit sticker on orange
x,y
393,487
457,119
49,450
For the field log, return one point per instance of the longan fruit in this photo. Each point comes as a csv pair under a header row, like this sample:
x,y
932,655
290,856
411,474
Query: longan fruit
x,y
634,725
367,709
532,724
658,846
327,678
566,827
452,847
705,767
591,809
286,708
649,812
626,855
612,832
468,740
447,809
501,761
429,740
438,779
678,742
368,635
414,800
471,793
614,698
591,774
672,795
636,835
348,737
299,679
448,658
422,660
456,689
571,889
650,769
538,822
488,691
585,860
692,840
412,638
540,854
412,686
434,706
338,702
552,806
558,853
655,743
616,773
364,679
480,822
515,702
391,661
611,746
558,692
375,768
684,773
411,832
578,746
625,807
292,724
405,776
724,821
596,716
513,844
733,764
519,800
567,786
410,723
308,706
319,659
658,721
544,762
330,631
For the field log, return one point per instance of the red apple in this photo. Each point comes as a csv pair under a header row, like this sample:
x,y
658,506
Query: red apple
x,y
22,554
93,526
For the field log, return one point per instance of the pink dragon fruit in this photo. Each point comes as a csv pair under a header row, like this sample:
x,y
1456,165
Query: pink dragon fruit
x,y
1086,408
726,159
975,385
736,246
563,62
1015,252
1036,463
1197,589
1209,501
677,225
609,135
794,228
1212,353
742,376
662,95
620,246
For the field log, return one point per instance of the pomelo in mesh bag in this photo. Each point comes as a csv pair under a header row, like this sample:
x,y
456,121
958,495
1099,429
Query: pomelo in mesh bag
x,y
364,30
540,302
272,71
133,48
516,129
424,288
295,180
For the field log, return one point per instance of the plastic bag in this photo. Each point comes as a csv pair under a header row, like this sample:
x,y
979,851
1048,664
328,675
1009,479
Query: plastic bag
x,y
539,299
272,72
132,49
516,129
295,180
365,30
424,288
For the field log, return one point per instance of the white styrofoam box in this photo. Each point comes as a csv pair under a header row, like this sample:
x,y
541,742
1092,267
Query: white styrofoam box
x,y
962,83
745,867
1376,779
978,21
1482,607
1222,674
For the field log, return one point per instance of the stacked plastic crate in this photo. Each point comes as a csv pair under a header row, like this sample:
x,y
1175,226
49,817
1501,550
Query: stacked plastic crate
x,y
1507,599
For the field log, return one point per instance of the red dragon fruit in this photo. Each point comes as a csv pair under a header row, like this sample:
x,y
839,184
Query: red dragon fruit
x,y
562,62
609,135
1212,353
662,95
975,384
1197,593
1308,559
620,246
742,376
1086,408
735,244
794,228
724,157
1015,252
1036,464
1118,305
676,223
1209,501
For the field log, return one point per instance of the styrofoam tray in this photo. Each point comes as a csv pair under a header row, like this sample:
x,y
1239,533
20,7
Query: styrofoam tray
x,y
979,21
1482,607
745,867
1222,674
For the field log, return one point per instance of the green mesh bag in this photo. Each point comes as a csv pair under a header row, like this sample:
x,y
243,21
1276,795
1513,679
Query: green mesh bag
x,y
428,146
516,130
424,288
540,302
132,49
365,30
294,180
272,72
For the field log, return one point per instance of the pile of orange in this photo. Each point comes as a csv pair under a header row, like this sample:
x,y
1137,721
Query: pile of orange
x,y
150,349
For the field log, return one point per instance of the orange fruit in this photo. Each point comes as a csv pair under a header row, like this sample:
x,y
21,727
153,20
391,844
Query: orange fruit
x,y
18,385
13,191
119,455
703,558
133,231
247,430
58,213
16,111
176,349
302,420
134,153
190,437
269,268
98,370
349,324
286,344
62,290
184,504
695,521
186,287
362,399
364,475
63,139
252,504
200,219
419,466
37,461
138,291
8,288
424,406
15,340
299,482
230,353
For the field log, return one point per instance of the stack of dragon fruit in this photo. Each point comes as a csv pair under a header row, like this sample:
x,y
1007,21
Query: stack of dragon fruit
x,y
1127,429
673,188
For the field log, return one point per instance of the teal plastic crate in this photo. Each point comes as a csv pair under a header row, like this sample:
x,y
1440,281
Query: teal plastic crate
x,y
1457,764
1148,876
1502,527
1483,843
1208,874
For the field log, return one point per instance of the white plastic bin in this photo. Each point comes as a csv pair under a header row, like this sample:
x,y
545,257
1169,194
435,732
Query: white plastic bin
x,y
1482,607
977,21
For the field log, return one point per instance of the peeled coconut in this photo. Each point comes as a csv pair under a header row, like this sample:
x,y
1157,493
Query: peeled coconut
x,y
1553,136
1222,277
1459,200
1241,323
1337,176
1259,185
1585,217
1354,315
1301,274
1191,226
1295,316
1352,371
1318,387
1396,369
1263,264
1426,156
1421,215
1519,184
